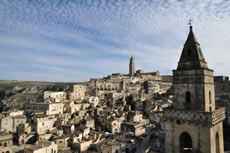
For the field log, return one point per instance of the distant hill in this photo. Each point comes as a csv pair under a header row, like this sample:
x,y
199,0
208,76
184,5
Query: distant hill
x,y
14,94
167,78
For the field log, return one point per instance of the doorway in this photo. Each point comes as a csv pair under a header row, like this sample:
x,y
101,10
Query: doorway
x,y
185,143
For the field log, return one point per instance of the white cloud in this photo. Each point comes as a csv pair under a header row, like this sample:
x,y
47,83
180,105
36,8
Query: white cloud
x,y
153,31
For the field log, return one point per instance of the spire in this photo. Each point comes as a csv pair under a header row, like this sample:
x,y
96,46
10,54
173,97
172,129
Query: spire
x,y
191,37
191,56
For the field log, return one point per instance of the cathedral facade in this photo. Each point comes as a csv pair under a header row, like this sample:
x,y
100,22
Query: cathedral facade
x,y
193,124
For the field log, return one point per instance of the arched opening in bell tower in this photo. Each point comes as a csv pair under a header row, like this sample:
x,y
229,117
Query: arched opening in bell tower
x,y
210,97
188,97
189,52
210,101
185,143
217,143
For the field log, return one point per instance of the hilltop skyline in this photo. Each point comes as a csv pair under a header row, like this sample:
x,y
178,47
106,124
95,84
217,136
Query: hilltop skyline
x,y
78,40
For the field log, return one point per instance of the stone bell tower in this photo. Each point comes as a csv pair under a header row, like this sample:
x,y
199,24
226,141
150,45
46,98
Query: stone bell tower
x,y
131,66
193,124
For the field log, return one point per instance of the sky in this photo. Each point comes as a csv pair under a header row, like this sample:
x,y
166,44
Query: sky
x,y
71,41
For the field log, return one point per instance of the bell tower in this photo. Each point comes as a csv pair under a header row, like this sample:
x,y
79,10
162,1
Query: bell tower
x,y
193,124
131,66
193,80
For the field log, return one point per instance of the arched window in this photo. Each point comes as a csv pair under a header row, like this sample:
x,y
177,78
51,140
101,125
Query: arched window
x,y
210,97
188,97
217,143
189,52
185,143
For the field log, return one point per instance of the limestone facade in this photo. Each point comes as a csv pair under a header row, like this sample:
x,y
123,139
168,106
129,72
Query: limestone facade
x,y
44,124
10,123
41,147
55,96
6,142
48,108
79,91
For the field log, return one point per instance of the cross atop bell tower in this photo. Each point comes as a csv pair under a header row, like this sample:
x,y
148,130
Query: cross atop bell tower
x,y
190,22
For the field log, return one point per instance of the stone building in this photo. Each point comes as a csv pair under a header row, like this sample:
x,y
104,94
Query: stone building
x,y
62,142
114,125
134,116
41,147
48,108
14,112
89,122
131,66
152,87
193,124
44,123
111,147
79,91
10,123
222,94
55,96
6,142
134,123
109,85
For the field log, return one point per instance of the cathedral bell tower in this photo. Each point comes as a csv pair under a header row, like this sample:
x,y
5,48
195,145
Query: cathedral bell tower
x,y
193,124
131,66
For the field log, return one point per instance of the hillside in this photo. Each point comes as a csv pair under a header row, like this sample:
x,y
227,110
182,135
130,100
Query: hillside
x,y
14,94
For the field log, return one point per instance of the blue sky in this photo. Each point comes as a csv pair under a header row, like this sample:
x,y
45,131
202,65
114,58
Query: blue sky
x,y
60,40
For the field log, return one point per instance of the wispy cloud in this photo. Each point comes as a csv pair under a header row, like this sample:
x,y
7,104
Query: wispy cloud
x,y
76,40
